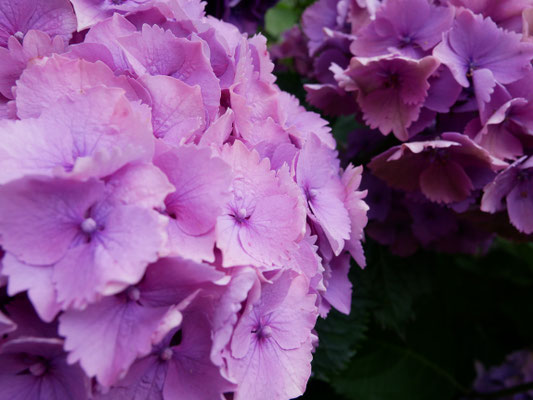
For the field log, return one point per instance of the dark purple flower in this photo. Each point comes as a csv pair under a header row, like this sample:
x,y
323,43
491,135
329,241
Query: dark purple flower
x,y
515,185
481,54
36,368
446,170
506,13
390,90
517,369
399,29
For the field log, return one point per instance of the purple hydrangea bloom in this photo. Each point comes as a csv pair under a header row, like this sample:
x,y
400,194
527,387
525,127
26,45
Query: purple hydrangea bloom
x,y
481,54
446,170
517,369
506,13
515,186
390,90
36,368
171,172
397,29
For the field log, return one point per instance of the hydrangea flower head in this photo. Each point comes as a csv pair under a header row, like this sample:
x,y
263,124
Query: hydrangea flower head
x,y
390,90
481,54
398,30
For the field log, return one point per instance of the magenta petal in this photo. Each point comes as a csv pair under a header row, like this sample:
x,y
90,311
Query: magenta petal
x,y
357,210
443,91
272,341
269,229
484,83
140,184
6,325
202,186
37,280
90,12
219,131
317,174
519,207
145,380
391,90
476,43
32,208
197,248
54,17
108,336
191,374
16,57
265,217
47,80
266,363
498,189
445,182
159,52
132,239
90,135
59,380
171,280
106,34
177,108
339,287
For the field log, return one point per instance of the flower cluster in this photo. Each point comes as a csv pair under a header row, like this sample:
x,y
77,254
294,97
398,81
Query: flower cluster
x,y
450,80
172,223
515,371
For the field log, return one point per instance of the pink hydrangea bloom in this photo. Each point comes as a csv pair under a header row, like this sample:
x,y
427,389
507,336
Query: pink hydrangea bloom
x,y
152,205
272,341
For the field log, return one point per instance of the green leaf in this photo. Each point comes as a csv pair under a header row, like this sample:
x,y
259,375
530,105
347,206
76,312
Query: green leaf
x,y
396,284
280,18
391,371
339,337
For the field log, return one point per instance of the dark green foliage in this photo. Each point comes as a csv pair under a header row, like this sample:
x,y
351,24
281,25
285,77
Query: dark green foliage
x,y
420,323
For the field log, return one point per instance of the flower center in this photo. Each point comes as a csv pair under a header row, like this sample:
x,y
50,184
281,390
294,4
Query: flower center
x,y
166,354
310,194
88,226
19,36
38,369
241,215
263,332
134,294
392,81
405,41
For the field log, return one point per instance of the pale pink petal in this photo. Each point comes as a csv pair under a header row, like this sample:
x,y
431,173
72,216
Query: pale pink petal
x,y
37,281
177,108
108,336
32,209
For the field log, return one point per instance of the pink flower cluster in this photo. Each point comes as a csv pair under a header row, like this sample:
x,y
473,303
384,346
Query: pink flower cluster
x,y
177,222
450,79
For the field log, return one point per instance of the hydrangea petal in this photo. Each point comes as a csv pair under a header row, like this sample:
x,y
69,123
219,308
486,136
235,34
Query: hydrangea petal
x,y
54,17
